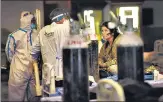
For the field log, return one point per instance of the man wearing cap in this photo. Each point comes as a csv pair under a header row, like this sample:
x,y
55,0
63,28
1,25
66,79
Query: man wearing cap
x,y
50,41
19,43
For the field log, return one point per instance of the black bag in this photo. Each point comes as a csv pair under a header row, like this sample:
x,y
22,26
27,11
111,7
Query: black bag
x,y
104,74
140,91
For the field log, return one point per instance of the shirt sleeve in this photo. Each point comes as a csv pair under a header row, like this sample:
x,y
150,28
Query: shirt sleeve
x,y
100,56
113,60
10,47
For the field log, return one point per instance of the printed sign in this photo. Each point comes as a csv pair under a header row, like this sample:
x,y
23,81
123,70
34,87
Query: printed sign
x,y
75,41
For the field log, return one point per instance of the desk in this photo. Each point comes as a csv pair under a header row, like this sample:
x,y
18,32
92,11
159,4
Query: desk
x,y
158,83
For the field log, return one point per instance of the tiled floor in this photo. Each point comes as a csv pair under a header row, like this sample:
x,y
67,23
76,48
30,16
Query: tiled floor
x,y
4,84
4,91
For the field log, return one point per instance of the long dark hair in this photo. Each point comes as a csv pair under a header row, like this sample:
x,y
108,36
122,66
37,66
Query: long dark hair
x,y
113,31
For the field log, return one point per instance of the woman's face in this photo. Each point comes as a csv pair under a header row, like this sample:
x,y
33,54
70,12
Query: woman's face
x,y
106,33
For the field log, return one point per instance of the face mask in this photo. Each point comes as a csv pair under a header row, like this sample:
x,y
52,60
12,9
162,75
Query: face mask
x,y
103,41
59,18
33,26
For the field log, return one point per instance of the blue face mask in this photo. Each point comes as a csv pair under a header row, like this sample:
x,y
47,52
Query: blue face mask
x,y
60,18
103,41
33,26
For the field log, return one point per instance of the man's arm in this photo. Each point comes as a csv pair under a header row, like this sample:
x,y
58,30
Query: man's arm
x,y
36,48
10,47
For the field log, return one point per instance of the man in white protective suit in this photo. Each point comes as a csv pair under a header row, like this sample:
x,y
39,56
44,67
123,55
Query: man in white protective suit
x,y
49,42
21,81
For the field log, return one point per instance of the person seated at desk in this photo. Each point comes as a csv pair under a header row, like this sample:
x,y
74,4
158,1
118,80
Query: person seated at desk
x,y
107,56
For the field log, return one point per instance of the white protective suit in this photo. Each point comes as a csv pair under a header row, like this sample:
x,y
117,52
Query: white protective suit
x,y
19,43
50,42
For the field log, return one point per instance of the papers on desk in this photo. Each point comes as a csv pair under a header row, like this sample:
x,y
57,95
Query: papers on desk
x,y
54,99
155,83
58,78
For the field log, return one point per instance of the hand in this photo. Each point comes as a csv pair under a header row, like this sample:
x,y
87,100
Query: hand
x,y
30,68
103,65
113,69
31,60
148,56
110,63
113,62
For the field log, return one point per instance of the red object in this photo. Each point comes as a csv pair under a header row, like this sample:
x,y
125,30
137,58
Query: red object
x,y
161,73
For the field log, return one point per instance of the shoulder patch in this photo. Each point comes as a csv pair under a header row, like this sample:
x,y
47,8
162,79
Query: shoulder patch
x,y
50,34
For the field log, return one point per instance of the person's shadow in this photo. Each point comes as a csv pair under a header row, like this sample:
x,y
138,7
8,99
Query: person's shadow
x,y
5,65
4,35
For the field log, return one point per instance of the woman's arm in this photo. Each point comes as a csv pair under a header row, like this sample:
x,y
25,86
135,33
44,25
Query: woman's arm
x,y
100,57
113,60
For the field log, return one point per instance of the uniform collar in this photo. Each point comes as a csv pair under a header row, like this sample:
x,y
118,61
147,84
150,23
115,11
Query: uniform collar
x,y
24,30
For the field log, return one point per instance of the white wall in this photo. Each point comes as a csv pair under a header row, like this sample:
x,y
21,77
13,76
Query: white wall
x,y
11,11
157,6
10,15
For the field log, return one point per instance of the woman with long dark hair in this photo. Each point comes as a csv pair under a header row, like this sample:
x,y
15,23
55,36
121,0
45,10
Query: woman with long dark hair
x,y
107,56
